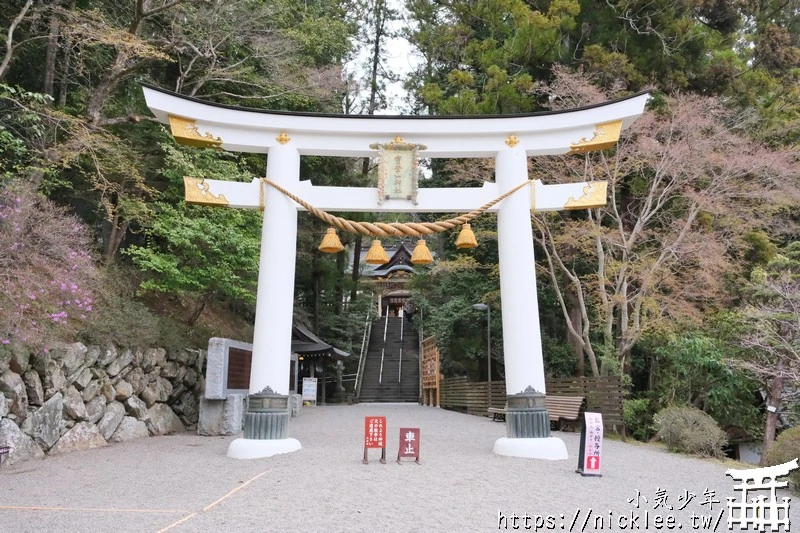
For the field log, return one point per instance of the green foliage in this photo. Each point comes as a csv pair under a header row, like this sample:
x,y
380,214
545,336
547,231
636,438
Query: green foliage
x,y
608,68
197,251
638,418
762,250
200,252
482,57
693,369
321,28
689,430
345,330
20,126
769,326
668,42
445,295
122,319
786,448
559,360
124,322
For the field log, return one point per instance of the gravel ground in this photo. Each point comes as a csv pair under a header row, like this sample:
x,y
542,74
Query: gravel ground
x,y
186,483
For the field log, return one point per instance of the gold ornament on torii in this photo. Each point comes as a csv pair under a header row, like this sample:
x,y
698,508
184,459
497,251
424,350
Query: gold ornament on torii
x,y
594,195
186,132
605,136
197,192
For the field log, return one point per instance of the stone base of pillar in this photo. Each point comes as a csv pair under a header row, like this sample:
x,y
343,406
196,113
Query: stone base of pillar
x,y
528,429
266,427
526,415
257,448
550,448
527,423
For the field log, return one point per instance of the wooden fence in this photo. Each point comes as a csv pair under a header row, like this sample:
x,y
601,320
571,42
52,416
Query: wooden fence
x,y
603,395
430,372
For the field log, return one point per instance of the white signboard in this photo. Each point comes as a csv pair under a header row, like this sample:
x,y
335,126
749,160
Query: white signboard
x,y
310,390
592,444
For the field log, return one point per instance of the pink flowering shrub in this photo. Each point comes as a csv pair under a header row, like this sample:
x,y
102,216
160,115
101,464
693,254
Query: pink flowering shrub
x,y
47,274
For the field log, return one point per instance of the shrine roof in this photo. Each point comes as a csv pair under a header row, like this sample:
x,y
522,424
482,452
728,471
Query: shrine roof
x,y
304,342
399,261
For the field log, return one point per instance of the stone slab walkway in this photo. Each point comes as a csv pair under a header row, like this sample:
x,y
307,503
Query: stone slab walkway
x,y
186,483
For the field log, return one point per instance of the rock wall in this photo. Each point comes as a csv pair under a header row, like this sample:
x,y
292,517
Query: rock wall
x,y
72,397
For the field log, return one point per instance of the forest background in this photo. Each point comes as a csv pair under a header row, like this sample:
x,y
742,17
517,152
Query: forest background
x,y
686,283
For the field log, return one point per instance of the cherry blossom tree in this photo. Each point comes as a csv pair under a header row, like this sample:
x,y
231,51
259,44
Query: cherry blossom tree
x,y
685,186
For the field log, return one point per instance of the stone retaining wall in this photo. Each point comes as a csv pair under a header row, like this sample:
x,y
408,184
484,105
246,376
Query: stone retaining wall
x,y
73,397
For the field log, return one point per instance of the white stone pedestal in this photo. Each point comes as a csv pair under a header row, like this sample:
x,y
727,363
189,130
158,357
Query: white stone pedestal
x,y
257,448
550,448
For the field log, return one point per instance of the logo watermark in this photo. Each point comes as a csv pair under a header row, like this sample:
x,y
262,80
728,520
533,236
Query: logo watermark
x,y
758,509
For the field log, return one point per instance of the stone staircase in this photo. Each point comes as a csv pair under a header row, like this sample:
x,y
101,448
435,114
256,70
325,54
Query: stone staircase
x,y
399,382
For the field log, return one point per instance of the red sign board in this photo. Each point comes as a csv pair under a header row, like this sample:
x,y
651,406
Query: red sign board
x,y
375,432
375,436
592,445
409,443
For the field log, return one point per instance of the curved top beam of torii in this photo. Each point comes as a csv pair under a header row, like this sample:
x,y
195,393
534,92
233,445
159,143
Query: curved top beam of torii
x,y
238,129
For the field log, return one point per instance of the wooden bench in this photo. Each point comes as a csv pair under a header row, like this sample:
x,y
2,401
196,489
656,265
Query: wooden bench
x,y
563,410
497,414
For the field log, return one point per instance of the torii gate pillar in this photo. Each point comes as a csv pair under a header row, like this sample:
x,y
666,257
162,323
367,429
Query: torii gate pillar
x,y
527,421
274,305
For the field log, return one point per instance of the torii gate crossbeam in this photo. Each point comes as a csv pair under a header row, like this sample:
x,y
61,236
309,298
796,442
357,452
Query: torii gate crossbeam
x,y
509,139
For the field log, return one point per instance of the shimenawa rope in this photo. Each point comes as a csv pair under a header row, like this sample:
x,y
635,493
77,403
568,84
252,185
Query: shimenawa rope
x,y
382,229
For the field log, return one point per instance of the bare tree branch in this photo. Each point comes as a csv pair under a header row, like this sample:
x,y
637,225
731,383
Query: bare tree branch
x,y
10,38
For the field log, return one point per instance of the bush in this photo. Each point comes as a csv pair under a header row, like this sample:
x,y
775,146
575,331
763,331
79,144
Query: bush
x,y
48,276
785,448
123,320
689,430
638,418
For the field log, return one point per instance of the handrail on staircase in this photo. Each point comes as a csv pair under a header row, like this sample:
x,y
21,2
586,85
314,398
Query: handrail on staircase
x,y
364,345
400,365
383,350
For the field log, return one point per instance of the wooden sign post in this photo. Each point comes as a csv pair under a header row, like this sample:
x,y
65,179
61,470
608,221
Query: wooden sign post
x,y
591,445
409,444
375,436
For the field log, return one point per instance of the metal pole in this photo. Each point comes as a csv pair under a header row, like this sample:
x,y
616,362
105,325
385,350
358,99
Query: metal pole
x,y
489,351
400,365
419,358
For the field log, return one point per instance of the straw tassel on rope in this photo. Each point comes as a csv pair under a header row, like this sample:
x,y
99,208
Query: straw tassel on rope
x,y
422,255
331,243
466,238
376,254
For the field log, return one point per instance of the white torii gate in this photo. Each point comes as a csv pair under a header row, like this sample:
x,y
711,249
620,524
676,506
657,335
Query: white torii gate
x,y
286,136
